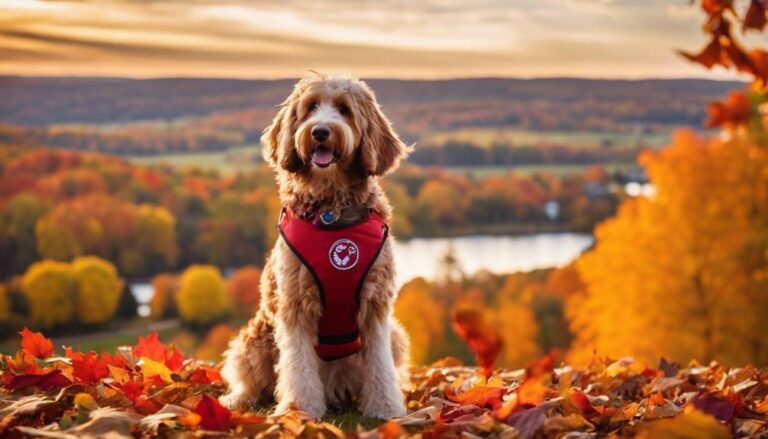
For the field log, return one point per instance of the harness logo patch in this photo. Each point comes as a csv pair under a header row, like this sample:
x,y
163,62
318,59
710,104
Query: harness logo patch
x,y
343,254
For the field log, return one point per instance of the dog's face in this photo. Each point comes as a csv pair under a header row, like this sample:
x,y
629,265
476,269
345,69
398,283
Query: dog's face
x,y
330,126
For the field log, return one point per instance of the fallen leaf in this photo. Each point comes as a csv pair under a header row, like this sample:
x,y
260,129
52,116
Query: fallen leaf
x,y
690,425
35,344
214,416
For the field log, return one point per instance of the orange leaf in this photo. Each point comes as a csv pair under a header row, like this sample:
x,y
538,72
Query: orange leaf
x,y
480,396
35,344
86,368
482,338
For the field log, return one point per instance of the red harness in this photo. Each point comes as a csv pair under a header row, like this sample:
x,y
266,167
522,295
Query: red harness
x,y
339,260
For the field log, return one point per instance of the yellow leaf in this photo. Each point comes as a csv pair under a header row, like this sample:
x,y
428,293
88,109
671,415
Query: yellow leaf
x,y
151,368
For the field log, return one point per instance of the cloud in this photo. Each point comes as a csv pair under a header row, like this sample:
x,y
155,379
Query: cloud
x,y
278,38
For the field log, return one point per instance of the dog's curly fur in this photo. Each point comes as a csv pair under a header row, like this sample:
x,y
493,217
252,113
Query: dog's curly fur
x,y
274,353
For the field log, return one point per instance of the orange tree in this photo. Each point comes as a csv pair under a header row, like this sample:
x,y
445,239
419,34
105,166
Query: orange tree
x,y
683,273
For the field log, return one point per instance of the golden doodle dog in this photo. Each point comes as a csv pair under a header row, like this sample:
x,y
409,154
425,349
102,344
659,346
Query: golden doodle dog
x,y
324,334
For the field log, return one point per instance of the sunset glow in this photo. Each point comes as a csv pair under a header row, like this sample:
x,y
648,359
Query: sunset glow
x,y
587,38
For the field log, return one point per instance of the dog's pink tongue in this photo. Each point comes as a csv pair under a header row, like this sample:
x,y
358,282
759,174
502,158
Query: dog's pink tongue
x,y
322,156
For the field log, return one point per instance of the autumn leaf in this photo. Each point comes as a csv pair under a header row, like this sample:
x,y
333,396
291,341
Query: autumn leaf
x,y
480,396
755,16
151,347
214,416
87,368
528,422
482,338
692,424
35,344
151,369
710,404
49,381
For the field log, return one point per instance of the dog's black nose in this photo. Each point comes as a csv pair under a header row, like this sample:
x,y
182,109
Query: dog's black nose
x,y
320,132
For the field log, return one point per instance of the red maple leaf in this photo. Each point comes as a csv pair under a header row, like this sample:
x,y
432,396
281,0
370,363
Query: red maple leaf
x,y
87,368
213,415
47,381
151,347
35,344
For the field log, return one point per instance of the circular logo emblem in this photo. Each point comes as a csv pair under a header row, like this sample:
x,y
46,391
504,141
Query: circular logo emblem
x,y
343,254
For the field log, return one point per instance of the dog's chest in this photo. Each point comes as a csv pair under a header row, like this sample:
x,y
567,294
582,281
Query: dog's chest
x,y
339,260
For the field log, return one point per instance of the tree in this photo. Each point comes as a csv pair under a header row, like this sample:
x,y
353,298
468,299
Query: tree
x,y
165,287
50,290
427,334
98,289
5,304
202,297
519,331
679,274
156,237
244,292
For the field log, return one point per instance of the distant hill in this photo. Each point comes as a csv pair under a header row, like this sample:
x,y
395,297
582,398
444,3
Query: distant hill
x,y
175,114
44,101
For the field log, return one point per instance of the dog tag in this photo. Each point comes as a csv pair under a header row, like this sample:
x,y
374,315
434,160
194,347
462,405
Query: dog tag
x,y
328,217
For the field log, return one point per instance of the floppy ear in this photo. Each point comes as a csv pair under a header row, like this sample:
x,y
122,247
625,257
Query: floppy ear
x,y
380,147
277,144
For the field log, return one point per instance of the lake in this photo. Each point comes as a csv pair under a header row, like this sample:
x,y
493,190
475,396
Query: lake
x,y
499,254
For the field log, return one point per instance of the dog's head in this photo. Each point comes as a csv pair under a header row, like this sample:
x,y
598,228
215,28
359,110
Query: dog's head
x,y
332,125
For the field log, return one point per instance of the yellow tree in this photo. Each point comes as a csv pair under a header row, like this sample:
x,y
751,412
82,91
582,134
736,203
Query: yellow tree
x,y
519,331
49,288
422,317
202,296
678,274
156,236
98,289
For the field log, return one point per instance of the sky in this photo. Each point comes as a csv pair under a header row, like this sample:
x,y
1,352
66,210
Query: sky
x,y
377,38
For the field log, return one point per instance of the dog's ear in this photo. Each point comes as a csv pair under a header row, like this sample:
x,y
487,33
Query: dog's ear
x,y
277,144
380,147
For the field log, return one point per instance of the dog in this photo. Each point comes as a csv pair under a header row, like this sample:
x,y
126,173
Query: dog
x,y
328,146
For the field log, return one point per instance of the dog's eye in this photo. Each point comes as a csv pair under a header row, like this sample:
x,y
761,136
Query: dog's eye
x,y
312,107
344,110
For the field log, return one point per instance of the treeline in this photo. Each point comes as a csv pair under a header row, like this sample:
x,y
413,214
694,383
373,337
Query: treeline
x,y
553,103
60,205
169,115
454,153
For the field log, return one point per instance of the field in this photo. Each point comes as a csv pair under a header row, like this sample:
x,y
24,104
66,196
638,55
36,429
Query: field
x,y
517,137
238,159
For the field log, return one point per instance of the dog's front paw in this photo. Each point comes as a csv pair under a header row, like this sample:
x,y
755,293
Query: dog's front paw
x,y
314,409
384,407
